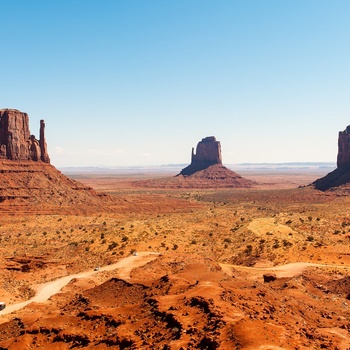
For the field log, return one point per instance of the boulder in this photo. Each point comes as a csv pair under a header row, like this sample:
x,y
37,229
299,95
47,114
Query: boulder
x,y
269,277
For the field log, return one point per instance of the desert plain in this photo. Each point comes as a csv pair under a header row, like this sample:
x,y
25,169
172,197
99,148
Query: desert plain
x,y
154,265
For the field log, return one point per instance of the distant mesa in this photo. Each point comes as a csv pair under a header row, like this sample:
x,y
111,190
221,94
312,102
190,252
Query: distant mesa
x,y
341,175
26,176
206,166
208,152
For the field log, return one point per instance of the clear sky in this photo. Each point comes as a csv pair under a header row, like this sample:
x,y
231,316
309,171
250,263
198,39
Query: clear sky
x,y
136,82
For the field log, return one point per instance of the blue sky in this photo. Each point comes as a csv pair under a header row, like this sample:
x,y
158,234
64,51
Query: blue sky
x,y
138,82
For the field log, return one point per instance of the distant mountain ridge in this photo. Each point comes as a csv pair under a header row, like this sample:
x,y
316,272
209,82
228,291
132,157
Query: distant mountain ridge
x,y
176,167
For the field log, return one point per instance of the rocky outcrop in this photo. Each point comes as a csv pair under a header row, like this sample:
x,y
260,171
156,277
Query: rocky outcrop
x,y
341,175
208,152
206,170
343,158
28,182
42,142
16,142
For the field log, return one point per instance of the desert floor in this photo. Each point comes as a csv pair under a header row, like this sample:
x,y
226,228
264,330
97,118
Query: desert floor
x,y
198,279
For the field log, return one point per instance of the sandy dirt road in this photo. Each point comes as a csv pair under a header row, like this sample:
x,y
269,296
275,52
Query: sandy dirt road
x,y
288,270
46,290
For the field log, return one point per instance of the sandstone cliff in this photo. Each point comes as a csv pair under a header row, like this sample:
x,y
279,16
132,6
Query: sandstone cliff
x,y
16,142
206,169
28,182
343,158
208,152
341,175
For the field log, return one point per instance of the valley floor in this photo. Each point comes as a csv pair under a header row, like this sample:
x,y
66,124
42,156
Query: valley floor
x,y
206,288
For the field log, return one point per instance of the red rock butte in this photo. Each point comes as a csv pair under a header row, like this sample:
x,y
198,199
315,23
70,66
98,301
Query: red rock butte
x,y
208,152
27,179
340,177
16,142
206,166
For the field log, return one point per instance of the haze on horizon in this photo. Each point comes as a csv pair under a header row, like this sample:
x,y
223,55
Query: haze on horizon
x,y
123,83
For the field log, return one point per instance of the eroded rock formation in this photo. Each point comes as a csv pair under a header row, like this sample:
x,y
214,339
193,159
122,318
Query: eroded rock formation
x,y
341,175
28,182
16,142
208,152
343,158
206,169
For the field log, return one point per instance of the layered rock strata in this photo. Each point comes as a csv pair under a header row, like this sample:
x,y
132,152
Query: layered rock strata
x,y
28,182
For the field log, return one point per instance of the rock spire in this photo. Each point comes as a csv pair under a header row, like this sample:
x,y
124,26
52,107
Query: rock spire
x,y
16,142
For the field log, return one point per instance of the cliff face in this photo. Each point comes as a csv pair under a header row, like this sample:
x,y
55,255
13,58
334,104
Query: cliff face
x,y
341,175
343,158
208,153
28,182
206,170
16,142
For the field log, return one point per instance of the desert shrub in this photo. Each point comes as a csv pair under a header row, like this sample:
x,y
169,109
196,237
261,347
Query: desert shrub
x,y
309,238
276,244
175,246
193,241
112,245
248,249
102,236
125,238
287,243
289,222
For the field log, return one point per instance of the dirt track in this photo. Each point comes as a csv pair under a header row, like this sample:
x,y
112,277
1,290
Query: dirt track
x,y
287,270
46,290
